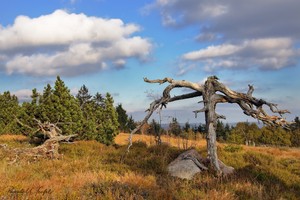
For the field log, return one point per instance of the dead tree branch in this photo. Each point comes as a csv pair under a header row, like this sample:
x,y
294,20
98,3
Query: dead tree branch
x,y
214,92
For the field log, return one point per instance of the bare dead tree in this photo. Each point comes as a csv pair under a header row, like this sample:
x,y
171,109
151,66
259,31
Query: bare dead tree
x,y
212,93
49,149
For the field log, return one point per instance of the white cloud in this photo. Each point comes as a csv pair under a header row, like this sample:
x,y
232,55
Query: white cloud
x,y
74,91
23,94
264,34
212,51
269,53
63,43
234,19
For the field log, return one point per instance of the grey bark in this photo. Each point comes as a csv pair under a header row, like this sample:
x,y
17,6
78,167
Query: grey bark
x,y
211,123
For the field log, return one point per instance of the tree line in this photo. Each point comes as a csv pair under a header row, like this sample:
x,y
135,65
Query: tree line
x,y
92,117
242,133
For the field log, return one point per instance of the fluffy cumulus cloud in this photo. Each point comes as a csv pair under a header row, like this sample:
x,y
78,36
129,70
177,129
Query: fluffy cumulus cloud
x,y
263,33
69,44
270,53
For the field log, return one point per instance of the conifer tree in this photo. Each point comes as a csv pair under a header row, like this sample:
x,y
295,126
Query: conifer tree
x,y
295,133
122,118
174,127
9,109
220,130
88,107
131,124
60,106
108,121
30,111
155,128
83,96
47,110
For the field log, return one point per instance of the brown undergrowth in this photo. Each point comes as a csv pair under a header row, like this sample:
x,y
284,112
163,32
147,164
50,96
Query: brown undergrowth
x,y
90,170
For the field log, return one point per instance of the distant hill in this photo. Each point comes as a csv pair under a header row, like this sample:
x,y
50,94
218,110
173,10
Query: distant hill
x,y
233,124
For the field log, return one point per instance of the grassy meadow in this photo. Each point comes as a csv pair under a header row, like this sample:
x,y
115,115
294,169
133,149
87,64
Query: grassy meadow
x,y
90,170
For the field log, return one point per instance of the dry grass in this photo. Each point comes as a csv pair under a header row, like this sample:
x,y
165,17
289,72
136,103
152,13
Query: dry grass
x,y
89,170
13,138
282,152
178,142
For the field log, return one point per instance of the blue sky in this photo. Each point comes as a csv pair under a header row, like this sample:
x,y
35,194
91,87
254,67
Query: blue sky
x,y
111,45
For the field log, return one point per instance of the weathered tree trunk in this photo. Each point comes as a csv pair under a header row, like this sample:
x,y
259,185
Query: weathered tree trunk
x,y
211,119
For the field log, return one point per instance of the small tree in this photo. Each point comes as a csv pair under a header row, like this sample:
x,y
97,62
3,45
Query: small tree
x,y
83,96
107,121
174,127
88,108
156,130
9,109
122,118
274,136
220,130
237,134
66,108
295,133
131,124
28,112
187,127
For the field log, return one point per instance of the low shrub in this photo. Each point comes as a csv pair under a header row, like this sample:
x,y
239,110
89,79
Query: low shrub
x,y
233,148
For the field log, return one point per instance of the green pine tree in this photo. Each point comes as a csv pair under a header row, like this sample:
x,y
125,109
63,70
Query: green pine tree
x,y
30,111
59,106
88,107
122,118
131,124
83,96
9,110
107,117
174,127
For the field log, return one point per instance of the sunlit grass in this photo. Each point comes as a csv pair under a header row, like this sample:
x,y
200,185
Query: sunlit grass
x,y
90,170
122,139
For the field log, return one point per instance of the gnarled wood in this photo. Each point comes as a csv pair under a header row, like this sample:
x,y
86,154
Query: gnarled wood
x,y
214,92
49,149
49,129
